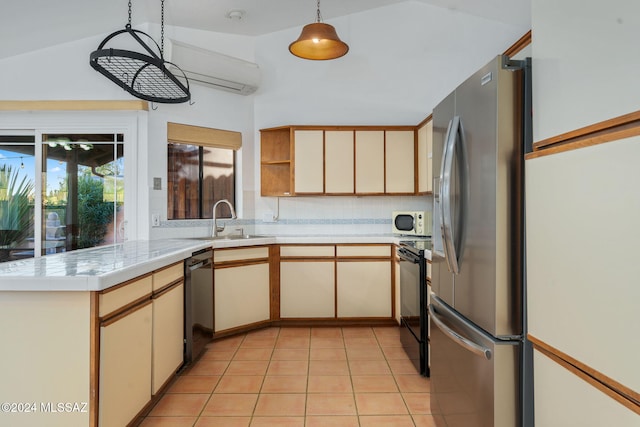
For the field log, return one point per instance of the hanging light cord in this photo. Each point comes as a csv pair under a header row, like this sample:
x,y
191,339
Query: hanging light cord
x,y
162,28
319,18
162,23
129,21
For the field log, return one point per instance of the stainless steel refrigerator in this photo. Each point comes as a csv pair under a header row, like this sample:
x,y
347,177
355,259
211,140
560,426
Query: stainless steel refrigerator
x,y
477,316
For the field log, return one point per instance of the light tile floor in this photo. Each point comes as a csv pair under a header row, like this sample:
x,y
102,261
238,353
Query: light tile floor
x,y
297,377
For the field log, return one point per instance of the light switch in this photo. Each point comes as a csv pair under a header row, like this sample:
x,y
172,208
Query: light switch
x,y
157,183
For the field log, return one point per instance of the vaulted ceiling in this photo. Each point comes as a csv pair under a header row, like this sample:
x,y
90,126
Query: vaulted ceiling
x,y
28,25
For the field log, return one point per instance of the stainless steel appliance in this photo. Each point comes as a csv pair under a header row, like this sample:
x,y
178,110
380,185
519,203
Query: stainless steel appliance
x,y
414,302
411,223
476,311
198,303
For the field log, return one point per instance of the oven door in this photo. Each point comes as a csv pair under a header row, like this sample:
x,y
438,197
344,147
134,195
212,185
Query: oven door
x,y
413,308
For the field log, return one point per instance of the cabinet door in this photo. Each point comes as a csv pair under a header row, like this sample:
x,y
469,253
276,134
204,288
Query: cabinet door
x,y
400,162
125,367
369,162
241,295
339,162
307,289
309,161
168,335
364,288
425,154
564,399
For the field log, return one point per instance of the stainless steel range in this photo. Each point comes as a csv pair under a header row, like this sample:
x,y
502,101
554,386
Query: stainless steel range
x,y
414,302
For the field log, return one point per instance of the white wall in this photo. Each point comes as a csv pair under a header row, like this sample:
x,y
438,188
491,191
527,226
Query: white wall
x,y
211,108
63,73
402,60
586,63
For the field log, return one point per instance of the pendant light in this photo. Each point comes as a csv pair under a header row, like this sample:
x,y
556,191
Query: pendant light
x,y
319,42
142,74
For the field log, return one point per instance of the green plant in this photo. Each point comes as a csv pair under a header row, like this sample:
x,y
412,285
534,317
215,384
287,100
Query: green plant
x,y
15,218
94,214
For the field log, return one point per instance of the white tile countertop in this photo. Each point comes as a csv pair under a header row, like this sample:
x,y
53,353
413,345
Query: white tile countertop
x,y
96,269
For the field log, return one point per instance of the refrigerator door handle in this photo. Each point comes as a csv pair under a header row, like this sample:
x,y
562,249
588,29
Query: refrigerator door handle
x,y
453,245
457,338
444,187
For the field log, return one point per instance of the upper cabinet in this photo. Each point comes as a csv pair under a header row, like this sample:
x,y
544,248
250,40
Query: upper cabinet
x,y
275,162
339,153
338,160
308,168
400,156
425,156
370,162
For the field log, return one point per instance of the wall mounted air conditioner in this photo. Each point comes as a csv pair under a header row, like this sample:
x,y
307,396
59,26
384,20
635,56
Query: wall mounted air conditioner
x,y
213,69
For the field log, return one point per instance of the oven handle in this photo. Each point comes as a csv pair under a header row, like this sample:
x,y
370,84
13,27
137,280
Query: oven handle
x,y
457,338
408,256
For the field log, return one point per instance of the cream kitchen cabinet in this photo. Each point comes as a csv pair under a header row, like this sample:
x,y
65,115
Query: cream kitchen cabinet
x,y
364,284
561,213
364,288
241,287
95,344
399,160
425,156
141,342
369,162
336,281
308,166
168,319
565,399
307,281
339,162
168,335
126,325
307,289
125,365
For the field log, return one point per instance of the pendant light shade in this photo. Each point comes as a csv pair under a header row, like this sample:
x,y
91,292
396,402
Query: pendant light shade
x,y
319,42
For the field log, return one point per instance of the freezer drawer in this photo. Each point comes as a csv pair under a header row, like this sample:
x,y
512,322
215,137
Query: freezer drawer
x,y
474,377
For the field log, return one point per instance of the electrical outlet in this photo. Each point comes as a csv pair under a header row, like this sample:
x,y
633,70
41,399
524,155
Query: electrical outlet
x,y
268,217
155,220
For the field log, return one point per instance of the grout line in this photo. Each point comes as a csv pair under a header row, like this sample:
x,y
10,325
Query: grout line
x,y
308,347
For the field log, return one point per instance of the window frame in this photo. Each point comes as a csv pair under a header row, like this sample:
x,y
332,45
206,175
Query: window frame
x,y
39,123
202,215
203,137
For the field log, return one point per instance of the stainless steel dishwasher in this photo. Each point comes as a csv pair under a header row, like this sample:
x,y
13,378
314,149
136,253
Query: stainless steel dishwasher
x,y
198,303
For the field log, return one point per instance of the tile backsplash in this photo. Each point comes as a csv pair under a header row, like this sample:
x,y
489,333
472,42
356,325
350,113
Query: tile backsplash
x,y
303,216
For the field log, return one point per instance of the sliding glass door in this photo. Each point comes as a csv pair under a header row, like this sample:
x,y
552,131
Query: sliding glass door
x,y
17,196
71,184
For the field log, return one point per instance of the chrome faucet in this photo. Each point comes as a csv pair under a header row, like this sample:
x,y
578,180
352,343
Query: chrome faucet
x,y
216,230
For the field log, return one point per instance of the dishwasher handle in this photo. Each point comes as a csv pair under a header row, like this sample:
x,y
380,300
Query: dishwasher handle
x,y
195,263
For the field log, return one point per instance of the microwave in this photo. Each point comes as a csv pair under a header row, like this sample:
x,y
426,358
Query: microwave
x,y
413,223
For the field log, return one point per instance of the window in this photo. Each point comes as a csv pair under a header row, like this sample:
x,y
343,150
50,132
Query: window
x,y
201,170
81,196
83,189
17,196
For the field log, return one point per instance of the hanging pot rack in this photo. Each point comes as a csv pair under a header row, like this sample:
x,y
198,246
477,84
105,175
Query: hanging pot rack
x,y
143,75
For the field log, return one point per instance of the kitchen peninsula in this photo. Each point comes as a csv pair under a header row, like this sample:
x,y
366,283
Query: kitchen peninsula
x,y
69,317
